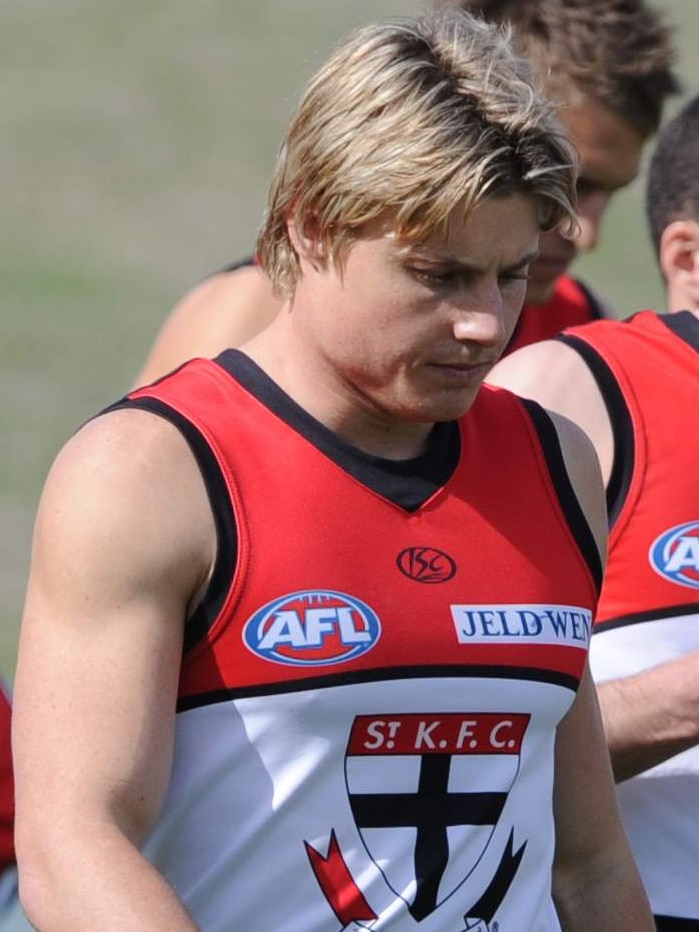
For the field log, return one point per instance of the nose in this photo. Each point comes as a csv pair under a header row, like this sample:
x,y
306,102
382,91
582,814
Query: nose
x,y
591,208
480,318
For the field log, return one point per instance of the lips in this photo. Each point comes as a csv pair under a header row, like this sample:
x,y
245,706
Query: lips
x,y
460,371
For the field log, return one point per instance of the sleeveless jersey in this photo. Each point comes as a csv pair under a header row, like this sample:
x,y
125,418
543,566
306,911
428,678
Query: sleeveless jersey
x,y
571,304
647,370
370,690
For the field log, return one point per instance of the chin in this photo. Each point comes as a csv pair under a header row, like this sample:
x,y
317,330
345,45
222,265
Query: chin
x,y
452,409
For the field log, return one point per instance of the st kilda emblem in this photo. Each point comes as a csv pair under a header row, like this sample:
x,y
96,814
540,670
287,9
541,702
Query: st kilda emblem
x,y
442,825
426,564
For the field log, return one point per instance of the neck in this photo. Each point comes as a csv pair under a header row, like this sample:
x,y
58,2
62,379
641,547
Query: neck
x,y
314,384
681,299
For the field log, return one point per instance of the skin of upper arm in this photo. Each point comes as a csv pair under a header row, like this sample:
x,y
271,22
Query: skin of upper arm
x,y
116,559
224,311
583,780
595,879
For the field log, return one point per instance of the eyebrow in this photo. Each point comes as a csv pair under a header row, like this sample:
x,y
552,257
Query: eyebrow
x,y
524,261
512,267
456,264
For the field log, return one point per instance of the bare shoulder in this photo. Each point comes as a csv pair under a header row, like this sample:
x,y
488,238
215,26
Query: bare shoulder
x,y
539,371
123,543
125,498
223,311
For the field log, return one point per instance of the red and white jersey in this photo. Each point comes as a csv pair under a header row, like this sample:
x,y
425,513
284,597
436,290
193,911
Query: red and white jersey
x,y
571,304
647,369
371,687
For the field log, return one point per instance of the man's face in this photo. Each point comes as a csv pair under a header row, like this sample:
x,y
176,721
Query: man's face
x,y
406,333
610,154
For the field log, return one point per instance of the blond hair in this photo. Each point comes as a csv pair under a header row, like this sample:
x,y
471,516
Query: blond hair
x,y
411,118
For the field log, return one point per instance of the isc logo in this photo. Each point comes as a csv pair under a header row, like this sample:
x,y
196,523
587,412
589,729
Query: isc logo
x,y
313,628
675,554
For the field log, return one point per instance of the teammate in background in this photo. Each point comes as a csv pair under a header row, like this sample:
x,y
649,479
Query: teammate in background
x,y
609,62
633,386
237,706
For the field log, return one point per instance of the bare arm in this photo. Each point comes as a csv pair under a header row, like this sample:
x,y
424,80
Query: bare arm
x,y
595,880
225,310
651,716
116,560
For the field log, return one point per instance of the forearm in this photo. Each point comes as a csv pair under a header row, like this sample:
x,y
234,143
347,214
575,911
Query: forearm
x,y
651,716
98,882
606,895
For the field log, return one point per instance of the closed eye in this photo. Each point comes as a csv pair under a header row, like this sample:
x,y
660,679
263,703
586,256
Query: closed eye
x,y
519,276
434,278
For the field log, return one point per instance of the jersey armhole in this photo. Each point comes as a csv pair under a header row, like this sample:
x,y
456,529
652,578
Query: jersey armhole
x,y
200,622
623,461
568,500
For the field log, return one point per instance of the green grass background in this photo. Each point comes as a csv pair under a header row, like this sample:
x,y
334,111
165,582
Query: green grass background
x,y
137,140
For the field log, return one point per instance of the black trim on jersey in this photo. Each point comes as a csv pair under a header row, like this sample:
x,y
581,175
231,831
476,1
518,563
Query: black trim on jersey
x,y
624,460
675,924
595,306
206,612
458,671
406,483
597,309
684,325
671,611
570,505
244,263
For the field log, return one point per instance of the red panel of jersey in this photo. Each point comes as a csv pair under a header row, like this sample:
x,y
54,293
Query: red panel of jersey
x,y
480,520
653,564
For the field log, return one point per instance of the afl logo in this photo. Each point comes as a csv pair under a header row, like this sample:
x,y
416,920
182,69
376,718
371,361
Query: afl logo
x,y
426,564
314,628
675,555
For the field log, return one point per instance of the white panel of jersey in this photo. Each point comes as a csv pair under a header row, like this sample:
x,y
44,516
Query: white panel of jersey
x,y
659,807
320,810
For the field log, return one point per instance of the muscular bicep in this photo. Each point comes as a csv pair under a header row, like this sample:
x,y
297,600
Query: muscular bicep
x,y
116,559
584,793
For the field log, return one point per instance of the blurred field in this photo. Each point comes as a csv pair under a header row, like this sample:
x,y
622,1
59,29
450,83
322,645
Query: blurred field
x,y
138,137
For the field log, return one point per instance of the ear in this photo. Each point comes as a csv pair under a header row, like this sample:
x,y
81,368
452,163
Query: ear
x,y
306,245
679,262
